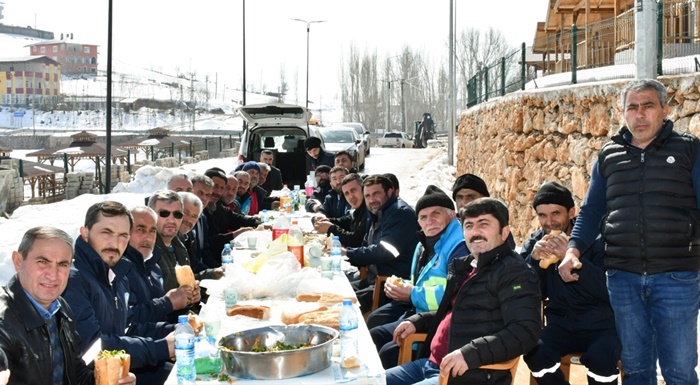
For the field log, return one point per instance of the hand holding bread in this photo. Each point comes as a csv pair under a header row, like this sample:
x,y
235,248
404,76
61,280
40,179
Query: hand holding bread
x,y
552,258
110,366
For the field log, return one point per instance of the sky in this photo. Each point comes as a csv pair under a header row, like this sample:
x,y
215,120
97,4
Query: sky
x,y
206,36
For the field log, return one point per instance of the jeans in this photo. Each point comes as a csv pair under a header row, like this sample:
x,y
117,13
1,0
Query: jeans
x,y
656,318
418,372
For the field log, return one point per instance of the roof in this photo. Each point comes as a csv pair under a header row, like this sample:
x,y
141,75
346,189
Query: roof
x,y
22,59
83,145
55,41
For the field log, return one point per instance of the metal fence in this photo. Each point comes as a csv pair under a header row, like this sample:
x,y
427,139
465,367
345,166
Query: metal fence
x,y
499,78
603,50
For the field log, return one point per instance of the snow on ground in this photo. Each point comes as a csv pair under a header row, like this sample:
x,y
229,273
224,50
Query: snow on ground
x,y
417,169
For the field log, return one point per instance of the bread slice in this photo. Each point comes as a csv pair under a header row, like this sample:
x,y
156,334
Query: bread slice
x,y
252,311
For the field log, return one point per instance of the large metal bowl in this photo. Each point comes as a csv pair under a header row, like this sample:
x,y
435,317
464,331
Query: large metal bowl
x,y
239,361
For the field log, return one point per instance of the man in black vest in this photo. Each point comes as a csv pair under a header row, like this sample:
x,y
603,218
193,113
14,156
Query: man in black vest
x,y
643,198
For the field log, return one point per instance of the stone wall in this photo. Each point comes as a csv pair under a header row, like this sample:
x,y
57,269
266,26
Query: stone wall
x,y
517,142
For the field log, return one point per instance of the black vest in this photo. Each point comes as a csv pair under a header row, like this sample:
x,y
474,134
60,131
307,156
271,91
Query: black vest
x,y
653,218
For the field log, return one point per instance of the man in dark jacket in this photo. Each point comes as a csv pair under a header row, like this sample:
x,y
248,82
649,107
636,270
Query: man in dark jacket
x,y
315,155
490,311
273,181
350,228
192,209
334,205
97,293
644,200
390,240
323,187
579,317
344,159
37,329
148,302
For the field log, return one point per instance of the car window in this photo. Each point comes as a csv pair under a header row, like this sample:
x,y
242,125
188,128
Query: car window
x,y
392,135
282,140
338,136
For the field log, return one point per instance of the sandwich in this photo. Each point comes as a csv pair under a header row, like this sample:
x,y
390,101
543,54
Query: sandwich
x,y
110,366
184,275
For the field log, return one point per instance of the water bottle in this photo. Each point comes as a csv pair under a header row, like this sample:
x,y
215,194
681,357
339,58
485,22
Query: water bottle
x,y
336,255
184,352
302,199
295,242
281,226
295,197
310,185
264,217
348,335
226,256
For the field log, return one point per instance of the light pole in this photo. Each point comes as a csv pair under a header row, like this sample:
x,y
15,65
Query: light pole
x,y
308,30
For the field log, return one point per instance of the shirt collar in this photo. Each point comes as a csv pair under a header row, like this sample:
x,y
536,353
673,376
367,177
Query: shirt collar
x,y
46,314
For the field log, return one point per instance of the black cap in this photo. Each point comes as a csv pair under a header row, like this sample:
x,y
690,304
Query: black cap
x,y
471,182
434,196
323,169
312,142
553,193
215,172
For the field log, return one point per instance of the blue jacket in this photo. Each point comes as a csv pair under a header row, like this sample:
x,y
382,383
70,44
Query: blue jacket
x,y
324,158
389,241
147,300
335,205
101,310
429,286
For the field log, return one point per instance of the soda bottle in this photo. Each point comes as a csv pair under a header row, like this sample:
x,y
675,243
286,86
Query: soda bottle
x,y
281,226
309,185
348,335
336,255
286,200
295,242
184,352
226,256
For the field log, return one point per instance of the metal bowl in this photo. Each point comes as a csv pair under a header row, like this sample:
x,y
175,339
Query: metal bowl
x,y
239,361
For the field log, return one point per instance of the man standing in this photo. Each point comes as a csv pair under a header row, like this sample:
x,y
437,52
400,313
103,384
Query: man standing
x,y
148,302
274,177
644,199
390,239
579,317
315,155
440,241
97,293
350,228
37,331
490,311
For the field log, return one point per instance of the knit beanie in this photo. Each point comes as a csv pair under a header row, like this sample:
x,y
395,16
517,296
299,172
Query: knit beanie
x,y
323,169
433,196
553,193
312,142
471,182
215,172
251,165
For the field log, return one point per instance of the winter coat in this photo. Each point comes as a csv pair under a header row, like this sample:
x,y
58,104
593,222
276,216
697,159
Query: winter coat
x,y
221,222
350,228
24,337
324,158
101,310
169,259
335,205
273,180
495,317
147,300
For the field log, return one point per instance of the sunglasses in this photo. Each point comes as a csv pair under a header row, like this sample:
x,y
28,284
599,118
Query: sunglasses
x,y
166,213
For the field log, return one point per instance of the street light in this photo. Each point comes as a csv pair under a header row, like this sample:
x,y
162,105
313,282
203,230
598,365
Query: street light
x,y
308,29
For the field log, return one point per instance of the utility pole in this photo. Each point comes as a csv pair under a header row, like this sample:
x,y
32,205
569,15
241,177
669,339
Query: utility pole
x,y
403,108
451,127
645,53
194,105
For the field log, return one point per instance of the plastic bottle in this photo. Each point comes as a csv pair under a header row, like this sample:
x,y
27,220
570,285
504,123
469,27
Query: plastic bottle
x,y
226,256
336,255
184,352
281,226
309,185
302,199
349,357
264,217
295,242
286,200
295,197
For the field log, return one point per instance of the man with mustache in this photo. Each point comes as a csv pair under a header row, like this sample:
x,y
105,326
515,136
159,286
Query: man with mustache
x,y
323,187
273,181
334,204
98,291
644,200
489,313
579,316
148,302
440,240
390,239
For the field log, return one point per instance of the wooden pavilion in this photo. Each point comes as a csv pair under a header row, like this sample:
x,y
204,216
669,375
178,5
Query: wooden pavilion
x,y
41,176
159,139
83,146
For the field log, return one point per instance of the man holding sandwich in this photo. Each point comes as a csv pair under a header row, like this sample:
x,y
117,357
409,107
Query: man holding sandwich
x,y
31,308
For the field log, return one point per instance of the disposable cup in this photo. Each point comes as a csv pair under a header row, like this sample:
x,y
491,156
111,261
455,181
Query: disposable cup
x,y
212,326
326,263
252,242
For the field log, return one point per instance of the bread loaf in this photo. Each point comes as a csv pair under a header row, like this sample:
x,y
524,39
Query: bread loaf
x,y
292,317
546,262
324,298
195,322
110,366
184,275
252,311
329,318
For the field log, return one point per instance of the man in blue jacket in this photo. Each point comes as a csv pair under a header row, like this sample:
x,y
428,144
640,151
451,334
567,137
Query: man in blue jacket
x,y
317,156
579,316
440,240
98,292
390,239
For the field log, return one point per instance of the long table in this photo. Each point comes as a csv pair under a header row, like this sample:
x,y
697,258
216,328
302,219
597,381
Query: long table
x,y
370,372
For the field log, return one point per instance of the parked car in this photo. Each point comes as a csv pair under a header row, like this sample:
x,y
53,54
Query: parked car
x,y
341,138
395,139
362,132
282,128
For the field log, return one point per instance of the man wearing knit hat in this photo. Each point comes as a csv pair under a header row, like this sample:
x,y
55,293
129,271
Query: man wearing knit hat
x,y
251,202
467,188
316,155
440,240
579,316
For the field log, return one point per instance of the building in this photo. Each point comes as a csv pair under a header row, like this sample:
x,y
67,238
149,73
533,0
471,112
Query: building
x,y
29,79
74,58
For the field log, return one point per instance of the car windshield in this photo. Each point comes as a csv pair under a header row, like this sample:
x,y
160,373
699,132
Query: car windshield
x,y
290,140
337,136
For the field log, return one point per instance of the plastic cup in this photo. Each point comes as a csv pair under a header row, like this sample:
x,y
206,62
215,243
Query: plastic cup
x,y
326,263
327,274
212,326
230,296
252,242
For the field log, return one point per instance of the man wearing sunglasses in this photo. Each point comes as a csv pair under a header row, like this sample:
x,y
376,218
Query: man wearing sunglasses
x,y
168,205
